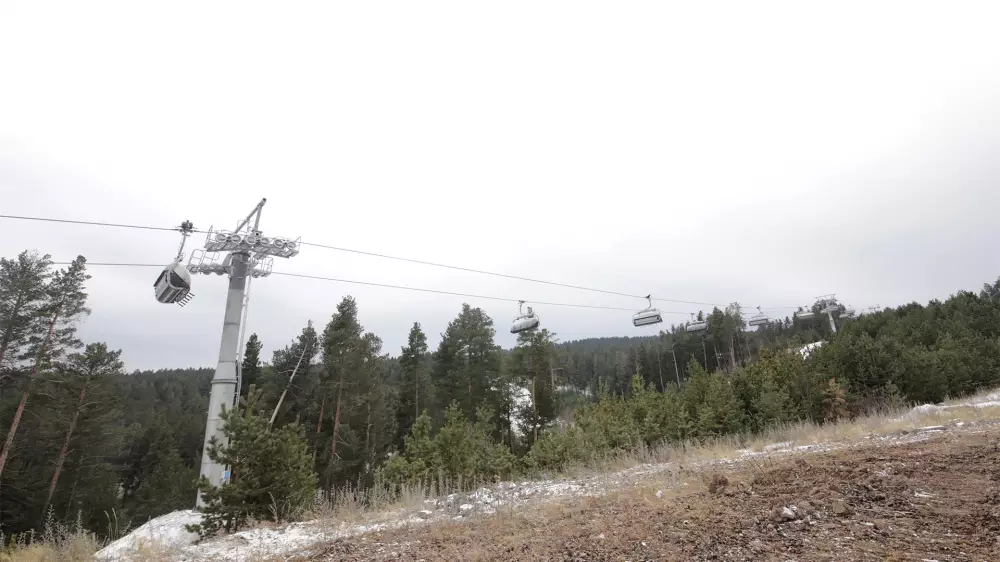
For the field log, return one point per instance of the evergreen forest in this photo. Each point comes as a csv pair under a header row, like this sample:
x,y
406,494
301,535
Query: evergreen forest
x,y
86,440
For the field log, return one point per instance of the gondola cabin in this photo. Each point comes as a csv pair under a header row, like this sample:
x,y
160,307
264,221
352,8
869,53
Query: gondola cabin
x,y
173,286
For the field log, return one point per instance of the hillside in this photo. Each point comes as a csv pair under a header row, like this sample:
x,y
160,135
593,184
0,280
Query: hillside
x,y
870,486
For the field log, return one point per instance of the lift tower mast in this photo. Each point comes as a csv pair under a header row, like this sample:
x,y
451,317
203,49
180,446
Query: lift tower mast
x,y
245,253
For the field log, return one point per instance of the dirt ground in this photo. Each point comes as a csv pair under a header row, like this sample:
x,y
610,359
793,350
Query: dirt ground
x,y
938,499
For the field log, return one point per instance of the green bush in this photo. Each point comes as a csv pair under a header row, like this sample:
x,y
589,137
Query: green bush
x,y
271,474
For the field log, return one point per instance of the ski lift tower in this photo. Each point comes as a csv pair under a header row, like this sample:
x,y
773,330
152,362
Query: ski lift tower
x,y
830,305
243,253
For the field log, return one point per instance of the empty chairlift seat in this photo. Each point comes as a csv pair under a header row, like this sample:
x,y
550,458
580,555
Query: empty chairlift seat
x,y
647,316
758,319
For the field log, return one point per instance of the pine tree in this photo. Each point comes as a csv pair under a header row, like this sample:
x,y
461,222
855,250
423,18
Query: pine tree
x,y
834,401
271,476
170,487
65,303
84,384
532,362
22,297
250,368
414,385
363,413
302,392
467,362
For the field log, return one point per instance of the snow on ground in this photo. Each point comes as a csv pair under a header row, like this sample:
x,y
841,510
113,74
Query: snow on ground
x,y
990,400
167,532
807,349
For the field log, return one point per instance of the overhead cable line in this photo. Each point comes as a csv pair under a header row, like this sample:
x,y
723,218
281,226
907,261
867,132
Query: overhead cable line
x,y
495,274
390,257
403,287
93,223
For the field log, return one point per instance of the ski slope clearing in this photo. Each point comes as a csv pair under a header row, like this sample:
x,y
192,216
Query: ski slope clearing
x,y
512,501
935,498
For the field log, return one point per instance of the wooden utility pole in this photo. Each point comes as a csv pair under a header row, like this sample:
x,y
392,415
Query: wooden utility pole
x,y
284,392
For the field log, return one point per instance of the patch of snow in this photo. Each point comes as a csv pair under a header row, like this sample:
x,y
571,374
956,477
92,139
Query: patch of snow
x,y
166,531
926,409
777,446
807,349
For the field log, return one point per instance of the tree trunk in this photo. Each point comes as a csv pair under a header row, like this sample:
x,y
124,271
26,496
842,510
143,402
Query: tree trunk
x,y
319,426
368,439
732,356
6,341
534,406
3,351
65,448
24,395
336,418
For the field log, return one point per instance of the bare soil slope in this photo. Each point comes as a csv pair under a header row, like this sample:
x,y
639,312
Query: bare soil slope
x,y
936,499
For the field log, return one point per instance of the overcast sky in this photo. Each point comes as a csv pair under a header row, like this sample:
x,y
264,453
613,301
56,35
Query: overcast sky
x,y
756,152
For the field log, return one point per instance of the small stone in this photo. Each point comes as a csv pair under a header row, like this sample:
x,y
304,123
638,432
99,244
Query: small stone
x,y
881,524
424,513
465,507
782,514
805,507
659,494
839,507
756,545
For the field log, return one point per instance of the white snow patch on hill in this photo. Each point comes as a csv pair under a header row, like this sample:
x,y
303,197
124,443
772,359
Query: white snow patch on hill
x,y
166,532
990,400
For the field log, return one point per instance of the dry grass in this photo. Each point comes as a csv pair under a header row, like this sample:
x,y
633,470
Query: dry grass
x,y
879,423
731,517
360,505
69,546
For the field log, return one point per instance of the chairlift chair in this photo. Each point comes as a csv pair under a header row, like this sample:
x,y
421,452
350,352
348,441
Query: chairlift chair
x,y
758,319
647,316
697,325
804,314
524,322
